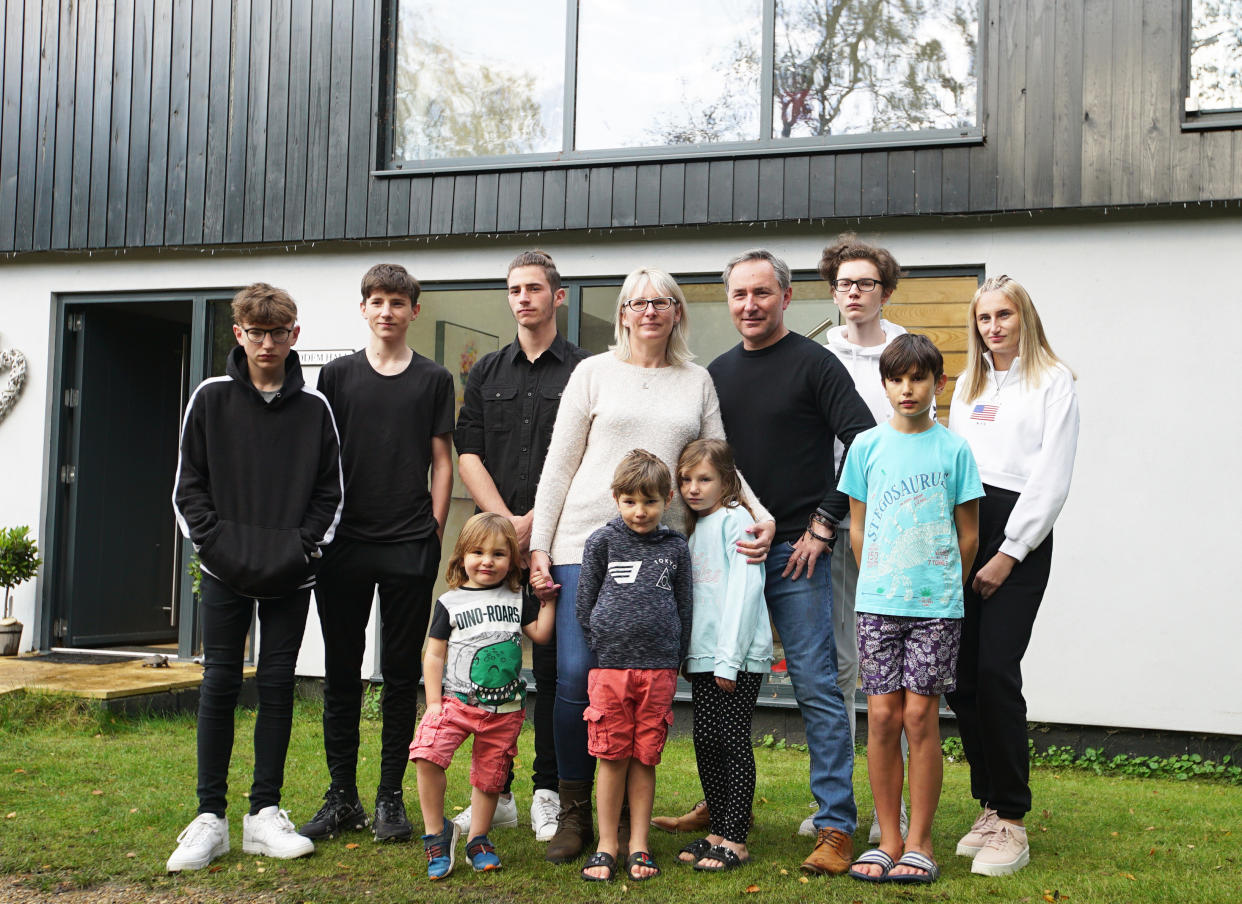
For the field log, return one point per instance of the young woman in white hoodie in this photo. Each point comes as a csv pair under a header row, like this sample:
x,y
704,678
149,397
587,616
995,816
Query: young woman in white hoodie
x,y
1016,406
863,278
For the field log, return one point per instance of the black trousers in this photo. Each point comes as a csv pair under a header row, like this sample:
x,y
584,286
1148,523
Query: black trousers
x,y
405,573
225,618
543,666
988,701
723,751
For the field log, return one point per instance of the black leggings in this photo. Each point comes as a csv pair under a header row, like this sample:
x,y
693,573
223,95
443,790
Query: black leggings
x,y
988,701
722,749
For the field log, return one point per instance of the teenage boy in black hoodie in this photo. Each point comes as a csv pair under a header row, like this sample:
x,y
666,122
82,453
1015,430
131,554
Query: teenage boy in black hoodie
x,y
395,411
259,494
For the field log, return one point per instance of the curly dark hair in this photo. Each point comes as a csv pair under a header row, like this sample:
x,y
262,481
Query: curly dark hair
x,y
850,248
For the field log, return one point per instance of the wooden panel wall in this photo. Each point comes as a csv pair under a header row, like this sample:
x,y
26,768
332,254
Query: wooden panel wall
x,y
207,122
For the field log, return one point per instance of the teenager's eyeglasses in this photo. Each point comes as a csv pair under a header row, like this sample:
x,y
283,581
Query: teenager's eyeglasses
x,y
864,284
638,305
280,334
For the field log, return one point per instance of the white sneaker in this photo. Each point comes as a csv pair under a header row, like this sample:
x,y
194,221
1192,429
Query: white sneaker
x,y
873,837
269,832
505,816
1005,852
973,841
545,807
199,843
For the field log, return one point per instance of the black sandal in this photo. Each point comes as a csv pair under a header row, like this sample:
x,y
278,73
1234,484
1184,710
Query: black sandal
x,y
696,849
641,858
600,858
727,857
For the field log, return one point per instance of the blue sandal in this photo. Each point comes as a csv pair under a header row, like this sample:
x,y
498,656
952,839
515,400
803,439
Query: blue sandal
x,y
873,857
915,860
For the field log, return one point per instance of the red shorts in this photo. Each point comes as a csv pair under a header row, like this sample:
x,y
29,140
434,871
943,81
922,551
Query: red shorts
x,y
629,713
495,741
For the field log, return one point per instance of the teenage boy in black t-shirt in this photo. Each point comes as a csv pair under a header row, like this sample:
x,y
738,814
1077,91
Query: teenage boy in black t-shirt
x,y
394,409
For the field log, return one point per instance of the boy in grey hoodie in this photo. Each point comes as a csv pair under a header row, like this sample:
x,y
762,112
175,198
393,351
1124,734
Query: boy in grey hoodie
x,y
635,600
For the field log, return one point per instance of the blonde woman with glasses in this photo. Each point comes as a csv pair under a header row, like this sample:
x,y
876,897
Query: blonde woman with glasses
x,y
644,392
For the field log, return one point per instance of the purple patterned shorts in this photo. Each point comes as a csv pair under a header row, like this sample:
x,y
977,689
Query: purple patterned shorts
x,y
919,654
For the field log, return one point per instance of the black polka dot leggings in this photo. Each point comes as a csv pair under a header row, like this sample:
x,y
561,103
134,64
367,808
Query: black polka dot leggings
x,y
722,748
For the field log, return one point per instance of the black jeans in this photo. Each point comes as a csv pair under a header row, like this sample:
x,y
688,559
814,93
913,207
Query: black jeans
x,y
405,573
988,701
543,666
226,618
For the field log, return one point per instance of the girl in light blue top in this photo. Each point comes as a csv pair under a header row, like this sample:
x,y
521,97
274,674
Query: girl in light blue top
x,y
730,650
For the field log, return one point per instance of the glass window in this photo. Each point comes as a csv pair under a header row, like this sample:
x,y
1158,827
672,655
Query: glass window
x,y
486,84
646,76
866,66
1215,56
697,74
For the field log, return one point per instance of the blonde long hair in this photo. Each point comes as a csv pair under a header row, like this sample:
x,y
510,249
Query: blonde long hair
x,y
1035,355
678,349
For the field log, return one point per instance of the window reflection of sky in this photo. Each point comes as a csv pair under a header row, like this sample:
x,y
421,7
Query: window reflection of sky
x,y
651,67
485,33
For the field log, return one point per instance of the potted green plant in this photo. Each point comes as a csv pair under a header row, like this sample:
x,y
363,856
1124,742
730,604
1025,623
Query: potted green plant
x,y
19,561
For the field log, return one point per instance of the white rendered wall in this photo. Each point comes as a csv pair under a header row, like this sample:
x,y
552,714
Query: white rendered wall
x,y
1139,624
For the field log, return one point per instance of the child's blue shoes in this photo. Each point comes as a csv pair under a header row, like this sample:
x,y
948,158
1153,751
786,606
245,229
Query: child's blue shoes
x,y
441,851
482,854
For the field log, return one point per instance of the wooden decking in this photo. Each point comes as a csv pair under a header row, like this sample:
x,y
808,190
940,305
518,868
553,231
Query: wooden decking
x,y
99,680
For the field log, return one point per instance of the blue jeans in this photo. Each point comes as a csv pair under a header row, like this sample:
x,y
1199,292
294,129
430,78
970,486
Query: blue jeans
x,y
801,610
574,660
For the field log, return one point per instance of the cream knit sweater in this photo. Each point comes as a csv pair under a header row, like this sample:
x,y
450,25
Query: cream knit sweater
x,y
610,407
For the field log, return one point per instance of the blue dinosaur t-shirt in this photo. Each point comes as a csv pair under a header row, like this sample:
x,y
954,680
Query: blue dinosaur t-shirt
x,y
911,565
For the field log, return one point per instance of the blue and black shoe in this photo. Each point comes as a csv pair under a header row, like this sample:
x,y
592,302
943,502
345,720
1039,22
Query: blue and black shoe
x,y
441,850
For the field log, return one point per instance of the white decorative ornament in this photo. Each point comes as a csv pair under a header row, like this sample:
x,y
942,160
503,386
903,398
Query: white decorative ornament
x,y
15,363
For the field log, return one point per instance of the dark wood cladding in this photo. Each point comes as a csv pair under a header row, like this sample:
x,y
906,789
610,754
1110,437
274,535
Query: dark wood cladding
x,y
208,122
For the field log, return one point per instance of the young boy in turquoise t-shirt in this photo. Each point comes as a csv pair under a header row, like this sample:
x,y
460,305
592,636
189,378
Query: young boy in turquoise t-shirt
x,y
914,529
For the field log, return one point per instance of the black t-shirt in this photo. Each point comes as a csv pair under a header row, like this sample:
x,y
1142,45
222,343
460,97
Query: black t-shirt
x,y
386,425
782,406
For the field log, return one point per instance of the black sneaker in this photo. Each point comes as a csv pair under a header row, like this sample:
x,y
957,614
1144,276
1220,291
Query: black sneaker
x,y
340,812
391,823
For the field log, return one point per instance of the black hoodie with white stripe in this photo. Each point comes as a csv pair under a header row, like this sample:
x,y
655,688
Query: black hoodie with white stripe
x,y
636,597
259,488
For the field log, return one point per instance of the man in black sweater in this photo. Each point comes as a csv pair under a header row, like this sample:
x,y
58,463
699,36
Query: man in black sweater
x,y
395,412
783,399
258,493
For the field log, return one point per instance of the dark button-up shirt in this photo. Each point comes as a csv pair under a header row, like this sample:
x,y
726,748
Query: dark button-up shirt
x,y
507,414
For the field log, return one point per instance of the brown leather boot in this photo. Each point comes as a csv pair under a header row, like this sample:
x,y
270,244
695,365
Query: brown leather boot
x,y
832,855
574,830
698,820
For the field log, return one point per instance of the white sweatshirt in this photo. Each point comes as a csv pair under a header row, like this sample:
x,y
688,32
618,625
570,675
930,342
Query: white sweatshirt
x,y
608,408
863,363
1024,439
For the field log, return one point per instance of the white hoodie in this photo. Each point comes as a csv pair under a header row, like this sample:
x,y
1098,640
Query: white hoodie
x,y
1024,439
863,363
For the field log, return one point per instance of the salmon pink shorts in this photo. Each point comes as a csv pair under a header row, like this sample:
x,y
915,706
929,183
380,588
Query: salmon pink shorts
x,y
495,741
629,713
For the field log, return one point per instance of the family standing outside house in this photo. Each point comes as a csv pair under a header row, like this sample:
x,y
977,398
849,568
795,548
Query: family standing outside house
x,y
588,474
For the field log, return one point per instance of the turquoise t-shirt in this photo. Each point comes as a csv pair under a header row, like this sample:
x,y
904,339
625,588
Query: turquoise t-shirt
x,y
911,565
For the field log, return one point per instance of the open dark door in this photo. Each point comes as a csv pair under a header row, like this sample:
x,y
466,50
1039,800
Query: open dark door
x,y
125,379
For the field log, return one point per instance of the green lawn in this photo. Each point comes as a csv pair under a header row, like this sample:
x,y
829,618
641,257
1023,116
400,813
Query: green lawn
x,y
90,800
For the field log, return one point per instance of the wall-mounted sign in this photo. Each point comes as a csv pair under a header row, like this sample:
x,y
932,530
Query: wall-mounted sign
x,y
318,357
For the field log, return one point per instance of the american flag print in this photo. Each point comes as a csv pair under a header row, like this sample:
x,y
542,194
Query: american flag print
x,y
984,413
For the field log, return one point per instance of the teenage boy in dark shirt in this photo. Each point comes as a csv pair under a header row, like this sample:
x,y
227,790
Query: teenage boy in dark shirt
x,y
502,436
394,409
258,493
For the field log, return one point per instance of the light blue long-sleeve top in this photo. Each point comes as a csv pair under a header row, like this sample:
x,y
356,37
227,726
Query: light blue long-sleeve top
x,y
730,631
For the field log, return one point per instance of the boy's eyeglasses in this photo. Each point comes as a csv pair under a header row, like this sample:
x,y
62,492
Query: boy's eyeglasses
x,y
638,305
864,285
280,334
